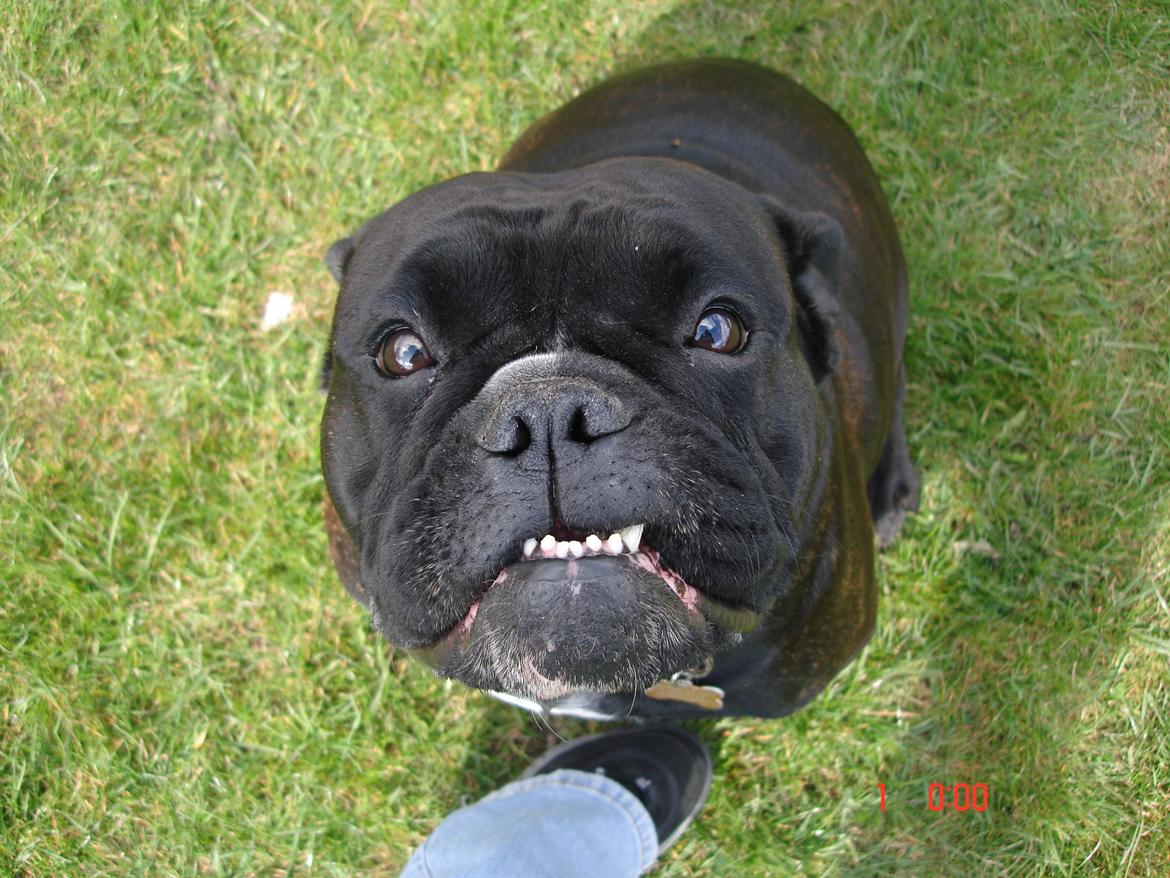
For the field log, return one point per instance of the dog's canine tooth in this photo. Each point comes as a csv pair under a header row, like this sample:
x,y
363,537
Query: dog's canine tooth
x,y
632,536
613,546
593,543
530,545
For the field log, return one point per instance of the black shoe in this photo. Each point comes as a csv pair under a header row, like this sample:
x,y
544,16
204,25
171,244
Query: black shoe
x,y
667,768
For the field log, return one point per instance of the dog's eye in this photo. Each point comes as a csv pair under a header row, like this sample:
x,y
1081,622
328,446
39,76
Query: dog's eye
x,y
721,331
402,353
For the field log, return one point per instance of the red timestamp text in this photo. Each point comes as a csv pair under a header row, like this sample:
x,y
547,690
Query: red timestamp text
x,y
959,797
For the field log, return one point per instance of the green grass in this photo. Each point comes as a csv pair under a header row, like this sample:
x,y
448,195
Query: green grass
x,y
185,689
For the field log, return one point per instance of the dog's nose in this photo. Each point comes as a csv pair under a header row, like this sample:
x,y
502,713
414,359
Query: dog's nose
x,y
555,418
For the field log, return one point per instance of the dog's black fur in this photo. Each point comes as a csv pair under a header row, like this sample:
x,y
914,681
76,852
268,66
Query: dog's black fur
x,y
557,298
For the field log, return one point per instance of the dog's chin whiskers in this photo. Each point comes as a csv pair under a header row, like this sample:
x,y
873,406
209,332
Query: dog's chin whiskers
x,y
633,694
376,621
543,720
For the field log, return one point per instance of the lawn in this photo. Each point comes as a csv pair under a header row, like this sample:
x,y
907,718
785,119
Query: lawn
x,y
186,689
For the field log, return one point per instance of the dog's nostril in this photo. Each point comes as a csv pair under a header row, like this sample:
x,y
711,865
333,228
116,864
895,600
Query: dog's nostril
x,y
517,440
560,414
579,428
594,418
521,439
508,440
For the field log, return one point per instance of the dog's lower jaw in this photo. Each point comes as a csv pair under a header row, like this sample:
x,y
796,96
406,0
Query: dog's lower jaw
x,y
610,624
503,663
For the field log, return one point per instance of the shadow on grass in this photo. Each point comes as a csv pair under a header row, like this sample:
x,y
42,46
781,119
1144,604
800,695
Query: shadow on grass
x,y
1008,604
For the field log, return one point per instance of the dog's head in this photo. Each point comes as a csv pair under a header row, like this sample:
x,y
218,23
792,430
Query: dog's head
x,y
572,425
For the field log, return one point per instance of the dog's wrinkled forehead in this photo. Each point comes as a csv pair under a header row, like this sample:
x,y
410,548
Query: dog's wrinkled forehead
x,y
556,252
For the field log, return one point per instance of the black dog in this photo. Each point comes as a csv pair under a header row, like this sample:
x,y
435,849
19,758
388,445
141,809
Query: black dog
x,y
611,429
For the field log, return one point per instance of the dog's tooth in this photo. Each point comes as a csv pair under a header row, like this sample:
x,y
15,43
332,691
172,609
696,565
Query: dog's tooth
x,y
562,549
632,536
593,543
548,546
530,545
613,546
576,550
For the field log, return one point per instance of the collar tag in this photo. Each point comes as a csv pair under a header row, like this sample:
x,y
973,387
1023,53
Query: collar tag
x,y
682,689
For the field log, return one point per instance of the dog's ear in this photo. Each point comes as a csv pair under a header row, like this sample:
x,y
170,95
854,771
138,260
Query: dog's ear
x,y
812,244
338,256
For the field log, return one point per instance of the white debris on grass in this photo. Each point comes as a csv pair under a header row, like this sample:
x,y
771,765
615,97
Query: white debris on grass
x,y
277,311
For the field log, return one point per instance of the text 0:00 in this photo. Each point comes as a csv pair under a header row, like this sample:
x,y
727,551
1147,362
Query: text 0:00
x,y
962,797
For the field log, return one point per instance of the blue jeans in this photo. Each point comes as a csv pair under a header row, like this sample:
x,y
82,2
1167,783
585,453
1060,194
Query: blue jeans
x,y
565,824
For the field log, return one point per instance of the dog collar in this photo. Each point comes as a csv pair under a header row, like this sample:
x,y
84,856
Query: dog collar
x,y
680,686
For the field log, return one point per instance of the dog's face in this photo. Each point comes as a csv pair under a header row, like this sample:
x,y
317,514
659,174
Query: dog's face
x,y
572,422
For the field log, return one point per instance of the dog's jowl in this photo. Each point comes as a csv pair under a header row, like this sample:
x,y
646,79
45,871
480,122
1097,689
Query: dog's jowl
x,y
613,427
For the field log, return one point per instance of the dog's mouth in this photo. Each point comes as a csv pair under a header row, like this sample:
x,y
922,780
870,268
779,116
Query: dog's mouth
x,y
577,611
570,546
